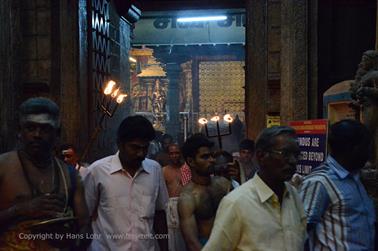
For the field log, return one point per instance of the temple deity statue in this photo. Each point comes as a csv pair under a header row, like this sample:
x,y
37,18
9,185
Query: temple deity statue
x,y
365,94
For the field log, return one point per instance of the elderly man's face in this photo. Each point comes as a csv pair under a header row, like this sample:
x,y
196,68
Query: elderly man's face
x,y
174,154
166,142
280,161
37,139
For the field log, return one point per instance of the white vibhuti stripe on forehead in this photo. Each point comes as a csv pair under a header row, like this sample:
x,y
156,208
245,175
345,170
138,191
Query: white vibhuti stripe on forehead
x,y
43,118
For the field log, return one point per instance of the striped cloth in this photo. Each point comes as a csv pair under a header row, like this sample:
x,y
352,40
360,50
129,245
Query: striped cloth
x,y
340,214
186,174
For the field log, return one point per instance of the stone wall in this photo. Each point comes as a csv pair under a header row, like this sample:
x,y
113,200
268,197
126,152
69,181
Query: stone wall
x,y
10,70
294,61
108,53
256,84
45,51
26,60
283,70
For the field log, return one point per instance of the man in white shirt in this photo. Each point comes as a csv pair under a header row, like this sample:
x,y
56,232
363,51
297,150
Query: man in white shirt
x,y
265,213
127,195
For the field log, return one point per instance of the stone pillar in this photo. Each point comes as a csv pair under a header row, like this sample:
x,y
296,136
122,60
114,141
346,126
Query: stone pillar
x,y
376,29
312,71
10,71
104,36
67,75
256,83
294,61
173,99
83,50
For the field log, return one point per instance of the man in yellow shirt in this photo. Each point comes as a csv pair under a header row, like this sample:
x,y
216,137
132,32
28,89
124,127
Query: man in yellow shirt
x,y
265,213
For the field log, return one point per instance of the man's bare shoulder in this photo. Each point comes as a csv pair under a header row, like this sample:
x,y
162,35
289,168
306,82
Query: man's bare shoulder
x,y
169,171
7,160
220,181
187,190
186,202
166,169
194,192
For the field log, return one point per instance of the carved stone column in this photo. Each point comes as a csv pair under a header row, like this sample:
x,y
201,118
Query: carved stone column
x,y
10,71
173,101
256,84
172,57
376,29
294,60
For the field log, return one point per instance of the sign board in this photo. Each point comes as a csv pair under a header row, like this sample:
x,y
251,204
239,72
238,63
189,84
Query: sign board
x,y
272,121
312,140
165,30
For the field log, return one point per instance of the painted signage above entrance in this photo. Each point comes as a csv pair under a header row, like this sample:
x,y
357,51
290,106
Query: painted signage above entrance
x,y
164,29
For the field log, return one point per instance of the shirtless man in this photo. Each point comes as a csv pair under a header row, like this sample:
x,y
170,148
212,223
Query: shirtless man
x,y
200,198
172,176
35,186
172,172
162,156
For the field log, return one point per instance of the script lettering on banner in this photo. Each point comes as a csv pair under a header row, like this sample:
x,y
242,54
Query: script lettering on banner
x,y
166,30
312,140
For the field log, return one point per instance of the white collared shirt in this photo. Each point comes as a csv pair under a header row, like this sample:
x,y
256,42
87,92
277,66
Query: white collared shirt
x,y
250,218
123,207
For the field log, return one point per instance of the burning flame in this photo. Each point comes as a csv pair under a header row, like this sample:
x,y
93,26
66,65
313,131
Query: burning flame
x,y
109,87
131,59
120,98
215,118
202,121
228,118
115,93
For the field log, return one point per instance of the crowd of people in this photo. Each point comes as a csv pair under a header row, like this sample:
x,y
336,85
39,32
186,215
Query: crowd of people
x,y
186,197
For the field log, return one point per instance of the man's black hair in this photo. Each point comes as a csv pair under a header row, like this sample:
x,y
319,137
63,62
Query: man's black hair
x,y
135,127
67,146
247,144
192,144
346,134
266,139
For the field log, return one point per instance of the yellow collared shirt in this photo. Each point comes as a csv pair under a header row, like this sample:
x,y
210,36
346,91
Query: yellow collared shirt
x,y
251,218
